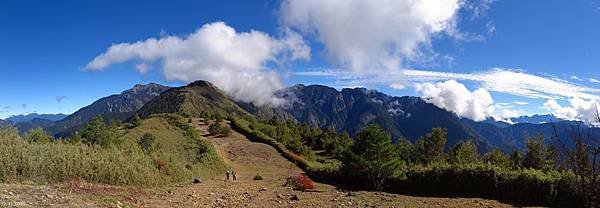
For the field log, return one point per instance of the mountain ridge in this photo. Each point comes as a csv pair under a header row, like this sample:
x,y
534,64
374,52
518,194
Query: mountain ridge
x,y
117,106
29,117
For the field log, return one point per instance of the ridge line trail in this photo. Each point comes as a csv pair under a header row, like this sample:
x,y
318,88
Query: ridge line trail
x,y
249,158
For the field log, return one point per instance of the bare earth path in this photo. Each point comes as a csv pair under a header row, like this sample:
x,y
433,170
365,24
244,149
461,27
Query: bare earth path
x,y
247,159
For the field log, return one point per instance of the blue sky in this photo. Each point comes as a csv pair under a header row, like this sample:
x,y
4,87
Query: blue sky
x,y
47,50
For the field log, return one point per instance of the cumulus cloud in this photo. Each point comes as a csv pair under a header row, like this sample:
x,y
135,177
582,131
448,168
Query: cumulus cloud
x,y
455,97
578,109
592,80
375,35
234,61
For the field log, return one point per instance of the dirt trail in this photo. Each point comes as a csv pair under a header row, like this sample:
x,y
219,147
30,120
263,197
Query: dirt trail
x,y
247,159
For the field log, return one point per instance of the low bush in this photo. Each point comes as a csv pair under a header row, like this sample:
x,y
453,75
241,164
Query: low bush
x,y
257,177
301,182
217,129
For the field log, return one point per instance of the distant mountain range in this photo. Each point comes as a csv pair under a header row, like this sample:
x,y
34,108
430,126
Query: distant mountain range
x,y
29,117
114,107
348,110
537,119
4,123
351,109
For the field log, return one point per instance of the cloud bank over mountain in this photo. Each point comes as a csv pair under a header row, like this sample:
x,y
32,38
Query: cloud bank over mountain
x,y
455,97
234,61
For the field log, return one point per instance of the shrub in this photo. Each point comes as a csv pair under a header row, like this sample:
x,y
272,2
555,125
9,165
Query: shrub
x,y
96,132
146,142
301,182
218,129
136,120
38,135
257,177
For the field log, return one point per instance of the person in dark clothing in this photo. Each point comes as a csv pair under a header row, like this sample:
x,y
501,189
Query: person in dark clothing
x,y
227,175
234,176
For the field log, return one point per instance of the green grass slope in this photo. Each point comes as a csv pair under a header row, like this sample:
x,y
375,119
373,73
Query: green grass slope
x,y
182,156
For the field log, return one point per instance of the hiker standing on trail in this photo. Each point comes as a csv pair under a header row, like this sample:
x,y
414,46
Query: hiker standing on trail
x,y
227,175
233,174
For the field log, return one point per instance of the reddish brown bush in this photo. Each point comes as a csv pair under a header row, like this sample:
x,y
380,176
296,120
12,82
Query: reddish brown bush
x,y
159,164
301,182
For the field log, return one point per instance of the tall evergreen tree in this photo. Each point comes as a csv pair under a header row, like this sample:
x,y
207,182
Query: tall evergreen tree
x,y
373,156
537,154
464,152
496,157
431,147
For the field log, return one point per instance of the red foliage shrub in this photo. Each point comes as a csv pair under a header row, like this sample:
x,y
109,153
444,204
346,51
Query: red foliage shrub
x,y
302,182
159,164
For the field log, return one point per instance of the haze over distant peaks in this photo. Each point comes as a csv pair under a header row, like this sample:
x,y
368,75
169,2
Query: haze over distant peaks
x,y
29,117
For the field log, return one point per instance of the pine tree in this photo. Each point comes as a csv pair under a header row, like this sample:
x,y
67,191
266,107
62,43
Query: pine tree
x,y
464,152
373,156
496,157
537,155
431,147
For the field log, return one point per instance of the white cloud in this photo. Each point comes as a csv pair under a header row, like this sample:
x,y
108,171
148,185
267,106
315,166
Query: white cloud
x,y
508,81
520,103
578,109
515,82
455,97
592,80
375,35
234,61
576,78
397,86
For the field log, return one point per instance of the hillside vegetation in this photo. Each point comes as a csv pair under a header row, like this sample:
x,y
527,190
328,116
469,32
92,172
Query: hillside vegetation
x,y
111,154
537,176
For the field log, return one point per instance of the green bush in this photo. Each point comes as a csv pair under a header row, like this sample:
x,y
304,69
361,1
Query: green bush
x,y
38,135
96,132
146,142
217,129
257,177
